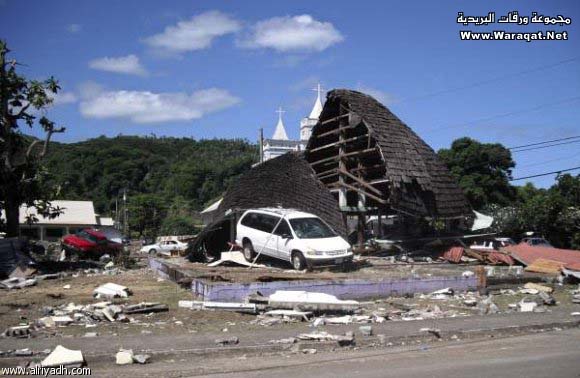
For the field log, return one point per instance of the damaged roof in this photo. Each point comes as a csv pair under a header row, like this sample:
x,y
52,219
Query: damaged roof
x,y
420,183
286,181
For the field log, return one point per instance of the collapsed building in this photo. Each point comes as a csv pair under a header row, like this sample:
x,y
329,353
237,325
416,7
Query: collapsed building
x,y
360,161
375,165
287,181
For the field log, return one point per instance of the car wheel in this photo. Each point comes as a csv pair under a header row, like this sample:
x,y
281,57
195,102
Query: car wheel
x,y
298,261
249,251
152,251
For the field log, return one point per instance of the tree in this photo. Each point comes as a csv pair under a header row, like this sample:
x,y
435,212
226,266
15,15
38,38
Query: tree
x,y
146,212
22,175
483,171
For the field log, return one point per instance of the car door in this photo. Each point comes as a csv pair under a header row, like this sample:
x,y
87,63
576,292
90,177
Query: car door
x,y
268,241
282,241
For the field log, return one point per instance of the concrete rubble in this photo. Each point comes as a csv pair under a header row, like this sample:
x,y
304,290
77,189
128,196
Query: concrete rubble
x,y
62,356
110,291
17,283
310,301
343,340
232,340
124,357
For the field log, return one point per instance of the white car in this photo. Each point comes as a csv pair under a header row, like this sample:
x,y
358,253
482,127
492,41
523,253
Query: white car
x,y
302,239
164,247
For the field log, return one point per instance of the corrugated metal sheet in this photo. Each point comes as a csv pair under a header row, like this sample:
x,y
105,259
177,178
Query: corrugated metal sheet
x,y
528,254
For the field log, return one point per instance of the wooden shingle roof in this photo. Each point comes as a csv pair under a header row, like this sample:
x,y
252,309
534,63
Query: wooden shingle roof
x,y
286,181
420,182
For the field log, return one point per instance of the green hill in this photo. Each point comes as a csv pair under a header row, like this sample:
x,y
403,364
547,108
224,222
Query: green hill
x,y
175,176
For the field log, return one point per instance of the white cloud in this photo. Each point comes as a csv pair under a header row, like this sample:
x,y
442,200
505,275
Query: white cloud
x,y
149,107
298,33
379,95
124,64
194,34
74,28
63,98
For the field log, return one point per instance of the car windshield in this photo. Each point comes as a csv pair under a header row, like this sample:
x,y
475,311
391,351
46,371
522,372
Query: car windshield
x,y
311,228
88,236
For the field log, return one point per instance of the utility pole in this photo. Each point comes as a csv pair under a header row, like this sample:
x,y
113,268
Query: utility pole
x,y
126,213
117,211
261,145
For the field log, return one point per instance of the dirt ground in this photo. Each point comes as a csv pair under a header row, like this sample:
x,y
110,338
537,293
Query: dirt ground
x,y
25,306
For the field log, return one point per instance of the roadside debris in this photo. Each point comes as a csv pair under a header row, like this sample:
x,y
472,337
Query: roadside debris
x,y
232,340
434,331
487,307
20,332
17,283
224,306
538,287
124,357
110,291
62,356
366,331
145,308
310,301
527,306
342,340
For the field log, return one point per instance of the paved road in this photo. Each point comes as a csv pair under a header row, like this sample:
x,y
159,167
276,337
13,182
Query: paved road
x,y
555,354
551,354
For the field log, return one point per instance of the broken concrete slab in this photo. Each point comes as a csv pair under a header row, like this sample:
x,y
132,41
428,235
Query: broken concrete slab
x,y
538,287
62,356
22,331
299,315
342,340
17,283
111,290
527,306
224,306
311,301
141,358
124,357
145,307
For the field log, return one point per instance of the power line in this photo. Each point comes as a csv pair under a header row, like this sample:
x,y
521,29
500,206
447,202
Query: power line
x,y
548,161
546,174
489,81
532,109
547,141
541,147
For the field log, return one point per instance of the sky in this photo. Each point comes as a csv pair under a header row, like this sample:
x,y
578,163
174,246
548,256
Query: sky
x,y
220,69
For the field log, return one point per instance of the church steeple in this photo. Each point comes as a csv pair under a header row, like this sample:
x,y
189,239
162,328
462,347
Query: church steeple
x,y
280,132
317,109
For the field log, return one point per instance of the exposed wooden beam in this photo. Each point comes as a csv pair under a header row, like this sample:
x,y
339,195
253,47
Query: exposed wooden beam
x,y
333,119
338,157
334,131
361,182
340,142
359,190
323,173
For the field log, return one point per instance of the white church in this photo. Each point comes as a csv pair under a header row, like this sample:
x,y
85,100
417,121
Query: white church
x,y
280,144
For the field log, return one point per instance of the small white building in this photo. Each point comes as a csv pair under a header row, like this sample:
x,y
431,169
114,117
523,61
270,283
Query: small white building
x,y
76,216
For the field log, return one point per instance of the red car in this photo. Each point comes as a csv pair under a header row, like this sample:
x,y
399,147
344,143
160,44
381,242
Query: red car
x,y
89,243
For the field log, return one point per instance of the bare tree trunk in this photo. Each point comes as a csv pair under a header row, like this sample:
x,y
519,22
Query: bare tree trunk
x,y
12,205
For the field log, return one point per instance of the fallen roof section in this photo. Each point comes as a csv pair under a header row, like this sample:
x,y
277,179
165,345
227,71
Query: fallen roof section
x,y
528,254
287,181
